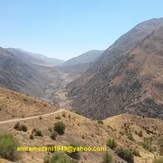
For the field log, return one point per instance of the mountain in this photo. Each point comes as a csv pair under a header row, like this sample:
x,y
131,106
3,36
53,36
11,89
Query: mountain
x,y
138,138
87,57
53,61
21,72
78,65
127,78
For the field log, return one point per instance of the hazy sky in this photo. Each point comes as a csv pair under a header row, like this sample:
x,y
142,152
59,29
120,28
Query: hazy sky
x,y
67,28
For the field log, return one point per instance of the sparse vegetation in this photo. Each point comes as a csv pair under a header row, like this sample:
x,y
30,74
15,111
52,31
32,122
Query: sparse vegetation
x,y
130,137
59,127
53,135
24,128
111,143
31,137
8,146
107,158
161,151
100,122
20,127
57,117
136,152
158,160
146,144
74,155
47,159
140,133
64,114
17,126
61,158
37,132
125,154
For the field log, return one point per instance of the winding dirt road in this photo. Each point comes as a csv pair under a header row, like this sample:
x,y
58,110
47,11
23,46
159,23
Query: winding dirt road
x,y
33,117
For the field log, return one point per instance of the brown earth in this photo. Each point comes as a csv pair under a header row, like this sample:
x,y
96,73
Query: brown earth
x,y
81,130
128,78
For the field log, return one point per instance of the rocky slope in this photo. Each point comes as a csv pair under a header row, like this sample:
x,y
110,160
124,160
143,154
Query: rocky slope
x,y
87,57
127,78
140,135
21,72
52,61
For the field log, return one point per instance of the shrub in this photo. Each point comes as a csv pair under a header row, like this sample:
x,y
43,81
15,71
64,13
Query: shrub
x,y
61,158
161,151
24,128
64,114
8,147
17,126
147,145
38,133
130,137
31,136
158,160
58,117
125,154
136,152
47,159
33,130
140,133
107,158
111,143
59,127
100,122
74,155
53,135
20,127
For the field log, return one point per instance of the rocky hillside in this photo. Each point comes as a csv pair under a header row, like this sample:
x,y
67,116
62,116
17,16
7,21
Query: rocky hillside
x,y
16,105
127,78
21,72
87,57
127,138
52,61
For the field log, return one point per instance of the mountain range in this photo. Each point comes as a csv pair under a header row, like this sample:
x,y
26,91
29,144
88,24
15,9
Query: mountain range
x,y
127,78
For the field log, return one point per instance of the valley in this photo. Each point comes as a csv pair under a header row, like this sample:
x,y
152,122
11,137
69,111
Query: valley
x,y
109,98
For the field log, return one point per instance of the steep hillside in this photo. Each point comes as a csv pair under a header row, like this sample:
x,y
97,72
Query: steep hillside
x,y
53,61
127,131
15,105
127,78
87,57
21,72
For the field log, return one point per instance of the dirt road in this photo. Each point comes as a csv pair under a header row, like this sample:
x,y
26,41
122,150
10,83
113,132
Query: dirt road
x,y
33,117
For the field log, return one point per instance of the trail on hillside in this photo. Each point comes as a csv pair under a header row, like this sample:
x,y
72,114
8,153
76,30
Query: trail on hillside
x,y
33,117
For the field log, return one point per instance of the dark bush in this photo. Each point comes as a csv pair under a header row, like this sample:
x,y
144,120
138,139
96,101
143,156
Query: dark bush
x,y
17,126
59,127
74,155
24,128
38,133
53,135
100,122
31,137
136,152
125,154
